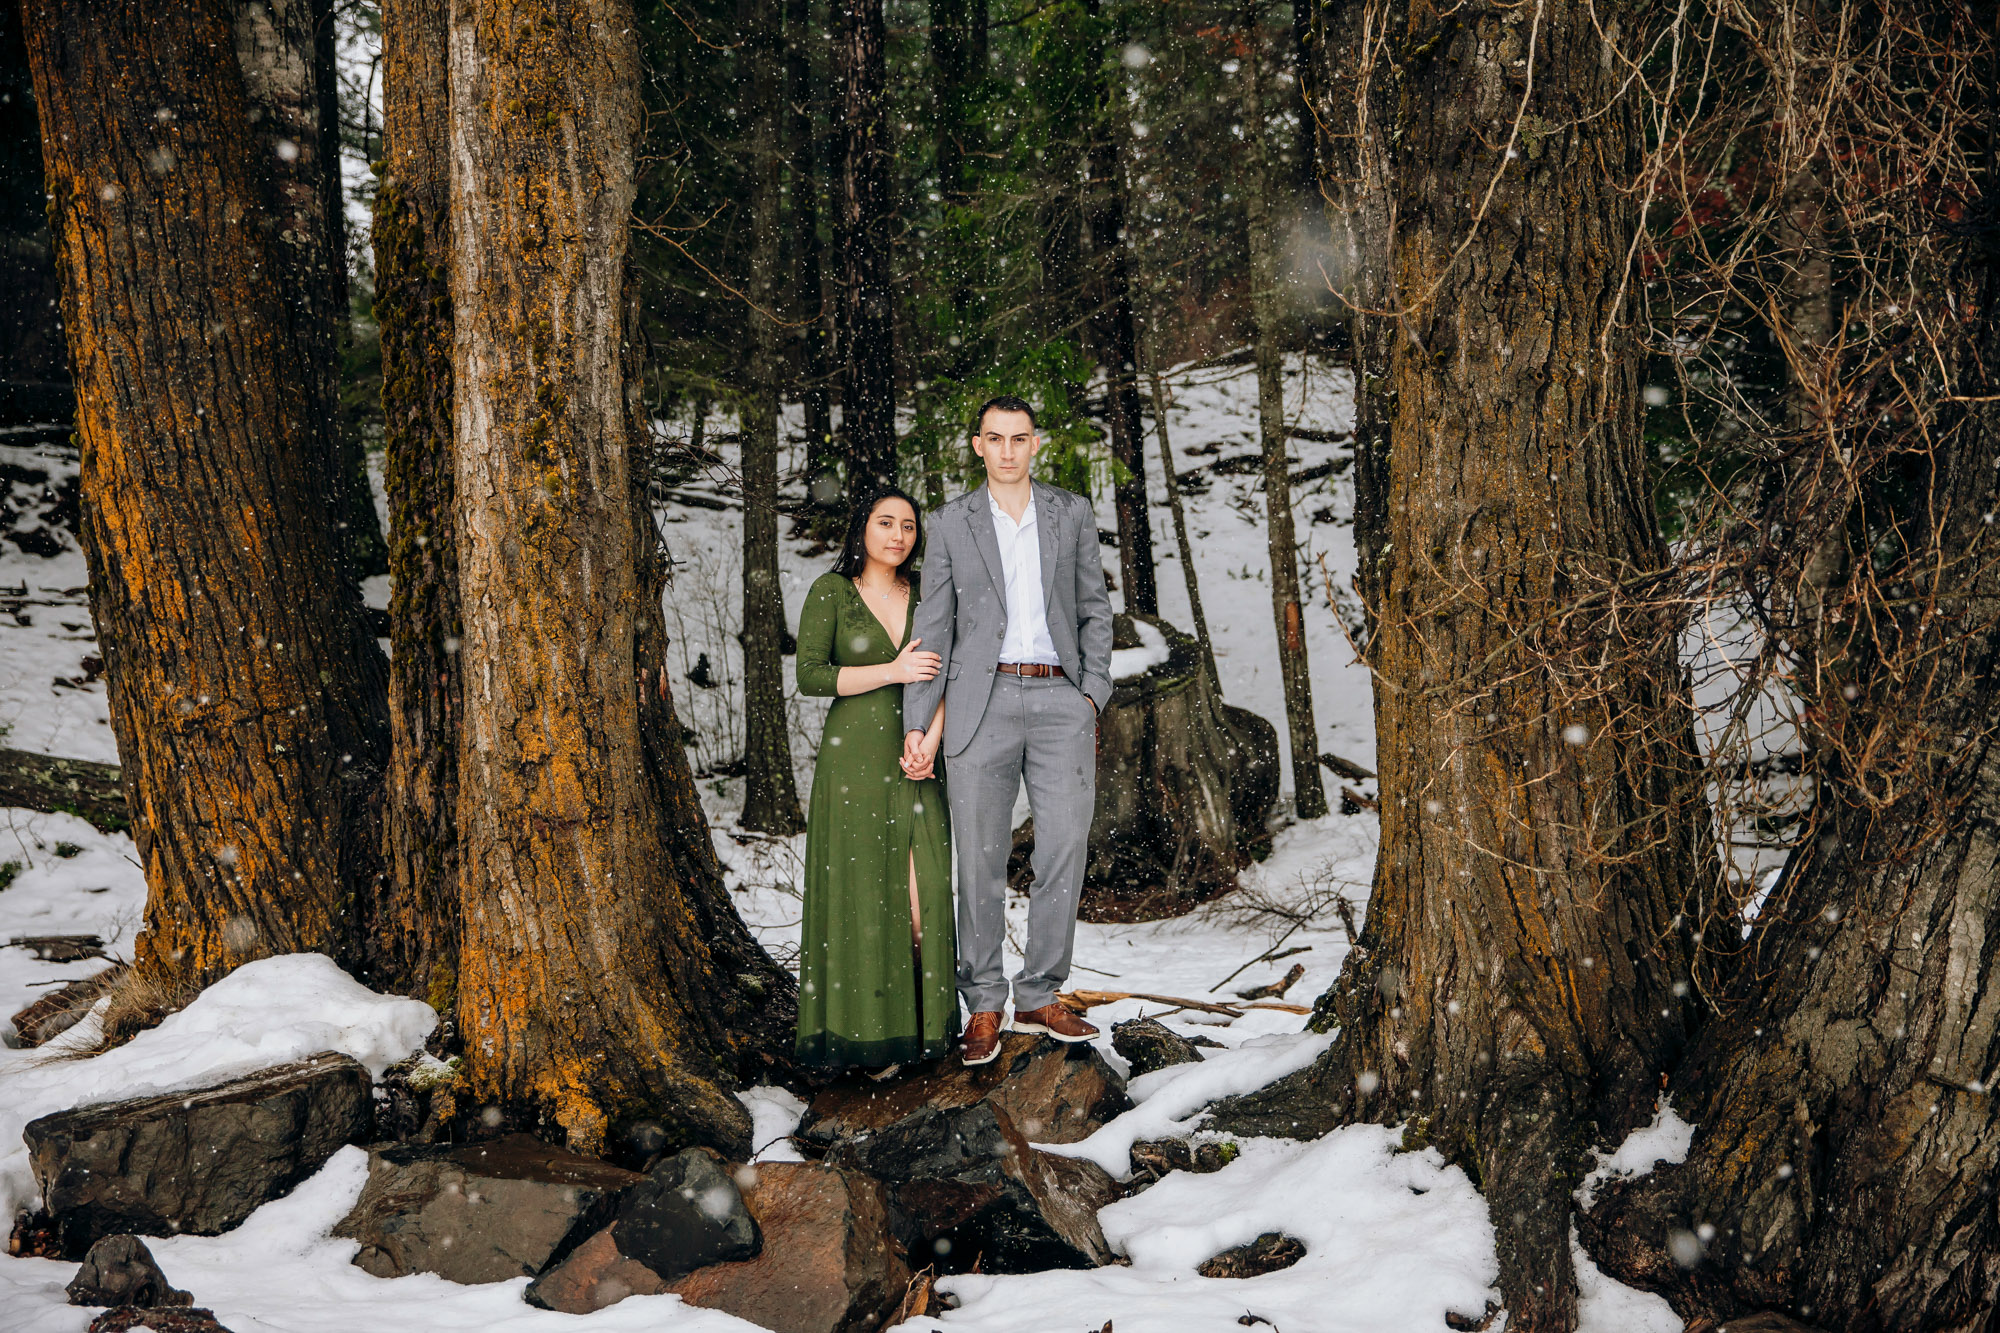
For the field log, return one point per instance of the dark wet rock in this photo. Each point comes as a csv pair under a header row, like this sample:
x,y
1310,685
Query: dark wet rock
x,y
119,1270
1267,1254
1149,1044
828,1265
684,1214
593,1276
197,1162
966,1177
1767,1321
480,1212
167,1319
687,1215
1052,1091
62,1008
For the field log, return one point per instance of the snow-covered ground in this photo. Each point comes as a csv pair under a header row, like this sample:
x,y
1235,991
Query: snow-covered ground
x,y
1394,1240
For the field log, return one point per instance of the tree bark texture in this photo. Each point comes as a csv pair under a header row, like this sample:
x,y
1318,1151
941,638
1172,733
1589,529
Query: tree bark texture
x,y
770,792
285,49
1521,982
584,990
1112,329
867,301
815,354
245,690
1847,1140
414,932
1267,313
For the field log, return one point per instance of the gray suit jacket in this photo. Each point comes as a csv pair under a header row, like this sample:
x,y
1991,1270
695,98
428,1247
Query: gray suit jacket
x,y
963,614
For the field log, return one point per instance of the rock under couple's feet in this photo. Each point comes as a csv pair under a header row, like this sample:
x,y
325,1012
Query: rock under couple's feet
x,y
981,1041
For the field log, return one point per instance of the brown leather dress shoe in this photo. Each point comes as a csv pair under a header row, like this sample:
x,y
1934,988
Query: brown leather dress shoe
x,y
981,1041
1053,1020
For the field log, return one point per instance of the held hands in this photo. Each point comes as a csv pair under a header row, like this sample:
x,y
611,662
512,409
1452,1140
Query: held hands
x,y
920,750
912,666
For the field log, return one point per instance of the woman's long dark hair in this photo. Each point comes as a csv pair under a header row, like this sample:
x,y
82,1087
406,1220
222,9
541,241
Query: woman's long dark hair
x,y
854,551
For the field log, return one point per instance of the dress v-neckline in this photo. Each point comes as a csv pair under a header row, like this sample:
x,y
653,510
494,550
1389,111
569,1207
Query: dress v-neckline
x,y
895,641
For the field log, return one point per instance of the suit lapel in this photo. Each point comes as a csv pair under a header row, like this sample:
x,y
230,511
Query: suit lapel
x,y
1045,533
980,518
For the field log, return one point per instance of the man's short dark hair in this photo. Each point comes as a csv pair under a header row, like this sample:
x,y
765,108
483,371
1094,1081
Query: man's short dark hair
x,y
1006,402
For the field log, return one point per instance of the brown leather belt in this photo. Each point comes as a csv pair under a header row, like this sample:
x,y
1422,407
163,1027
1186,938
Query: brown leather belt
x,y
1037,670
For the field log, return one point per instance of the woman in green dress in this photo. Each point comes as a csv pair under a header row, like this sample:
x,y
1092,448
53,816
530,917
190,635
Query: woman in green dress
x,y
877,955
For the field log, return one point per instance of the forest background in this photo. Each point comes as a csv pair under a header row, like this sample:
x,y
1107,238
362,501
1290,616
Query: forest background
x,y
1651,310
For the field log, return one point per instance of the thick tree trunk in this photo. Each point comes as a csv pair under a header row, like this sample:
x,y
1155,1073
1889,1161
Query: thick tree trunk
x,y
1846,1145
1847,1140
770,792
285,49
414,930
587,998
1267,313
245,690
815,356
867,302
1117,340
1519,988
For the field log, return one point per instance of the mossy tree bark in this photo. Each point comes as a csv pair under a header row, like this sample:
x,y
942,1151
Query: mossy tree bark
x,y
588,998
770,792
867,300
414,930
1267,314
1521,984
246,692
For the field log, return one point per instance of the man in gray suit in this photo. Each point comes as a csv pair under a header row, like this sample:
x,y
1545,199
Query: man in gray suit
x,y
1014,603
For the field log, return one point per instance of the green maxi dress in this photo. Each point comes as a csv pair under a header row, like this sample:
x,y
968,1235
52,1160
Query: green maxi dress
x,y
860,1002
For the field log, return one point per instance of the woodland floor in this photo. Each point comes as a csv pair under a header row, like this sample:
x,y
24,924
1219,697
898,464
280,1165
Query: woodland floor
x,y
1393,1240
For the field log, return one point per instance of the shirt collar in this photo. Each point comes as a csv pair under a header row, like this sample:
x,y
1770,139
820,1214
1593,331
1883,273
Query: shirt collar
x,y
1027,515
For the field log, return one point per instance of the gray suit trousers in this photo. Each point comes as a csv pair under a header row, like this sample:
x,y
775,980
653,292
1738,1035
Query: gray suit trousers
x,y
1043,730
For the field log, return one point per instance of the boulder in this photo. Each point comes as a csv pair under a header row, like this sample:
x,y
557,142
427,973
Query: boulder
x,y
480,1212
1149,1044
119,1270
593,1276
829,1264
687,1215
684,1214
1053,1092
158,1319
972,1193
197,1162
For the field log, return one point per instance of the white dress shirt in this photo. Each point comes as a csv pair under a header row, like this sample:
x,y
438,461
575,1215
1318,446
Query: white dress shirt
x,y
1027,638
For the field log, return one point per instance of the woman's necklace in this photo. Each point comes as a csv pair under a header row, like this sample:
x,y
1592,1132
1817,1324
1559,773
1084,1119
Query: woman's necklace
x,y
888,598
